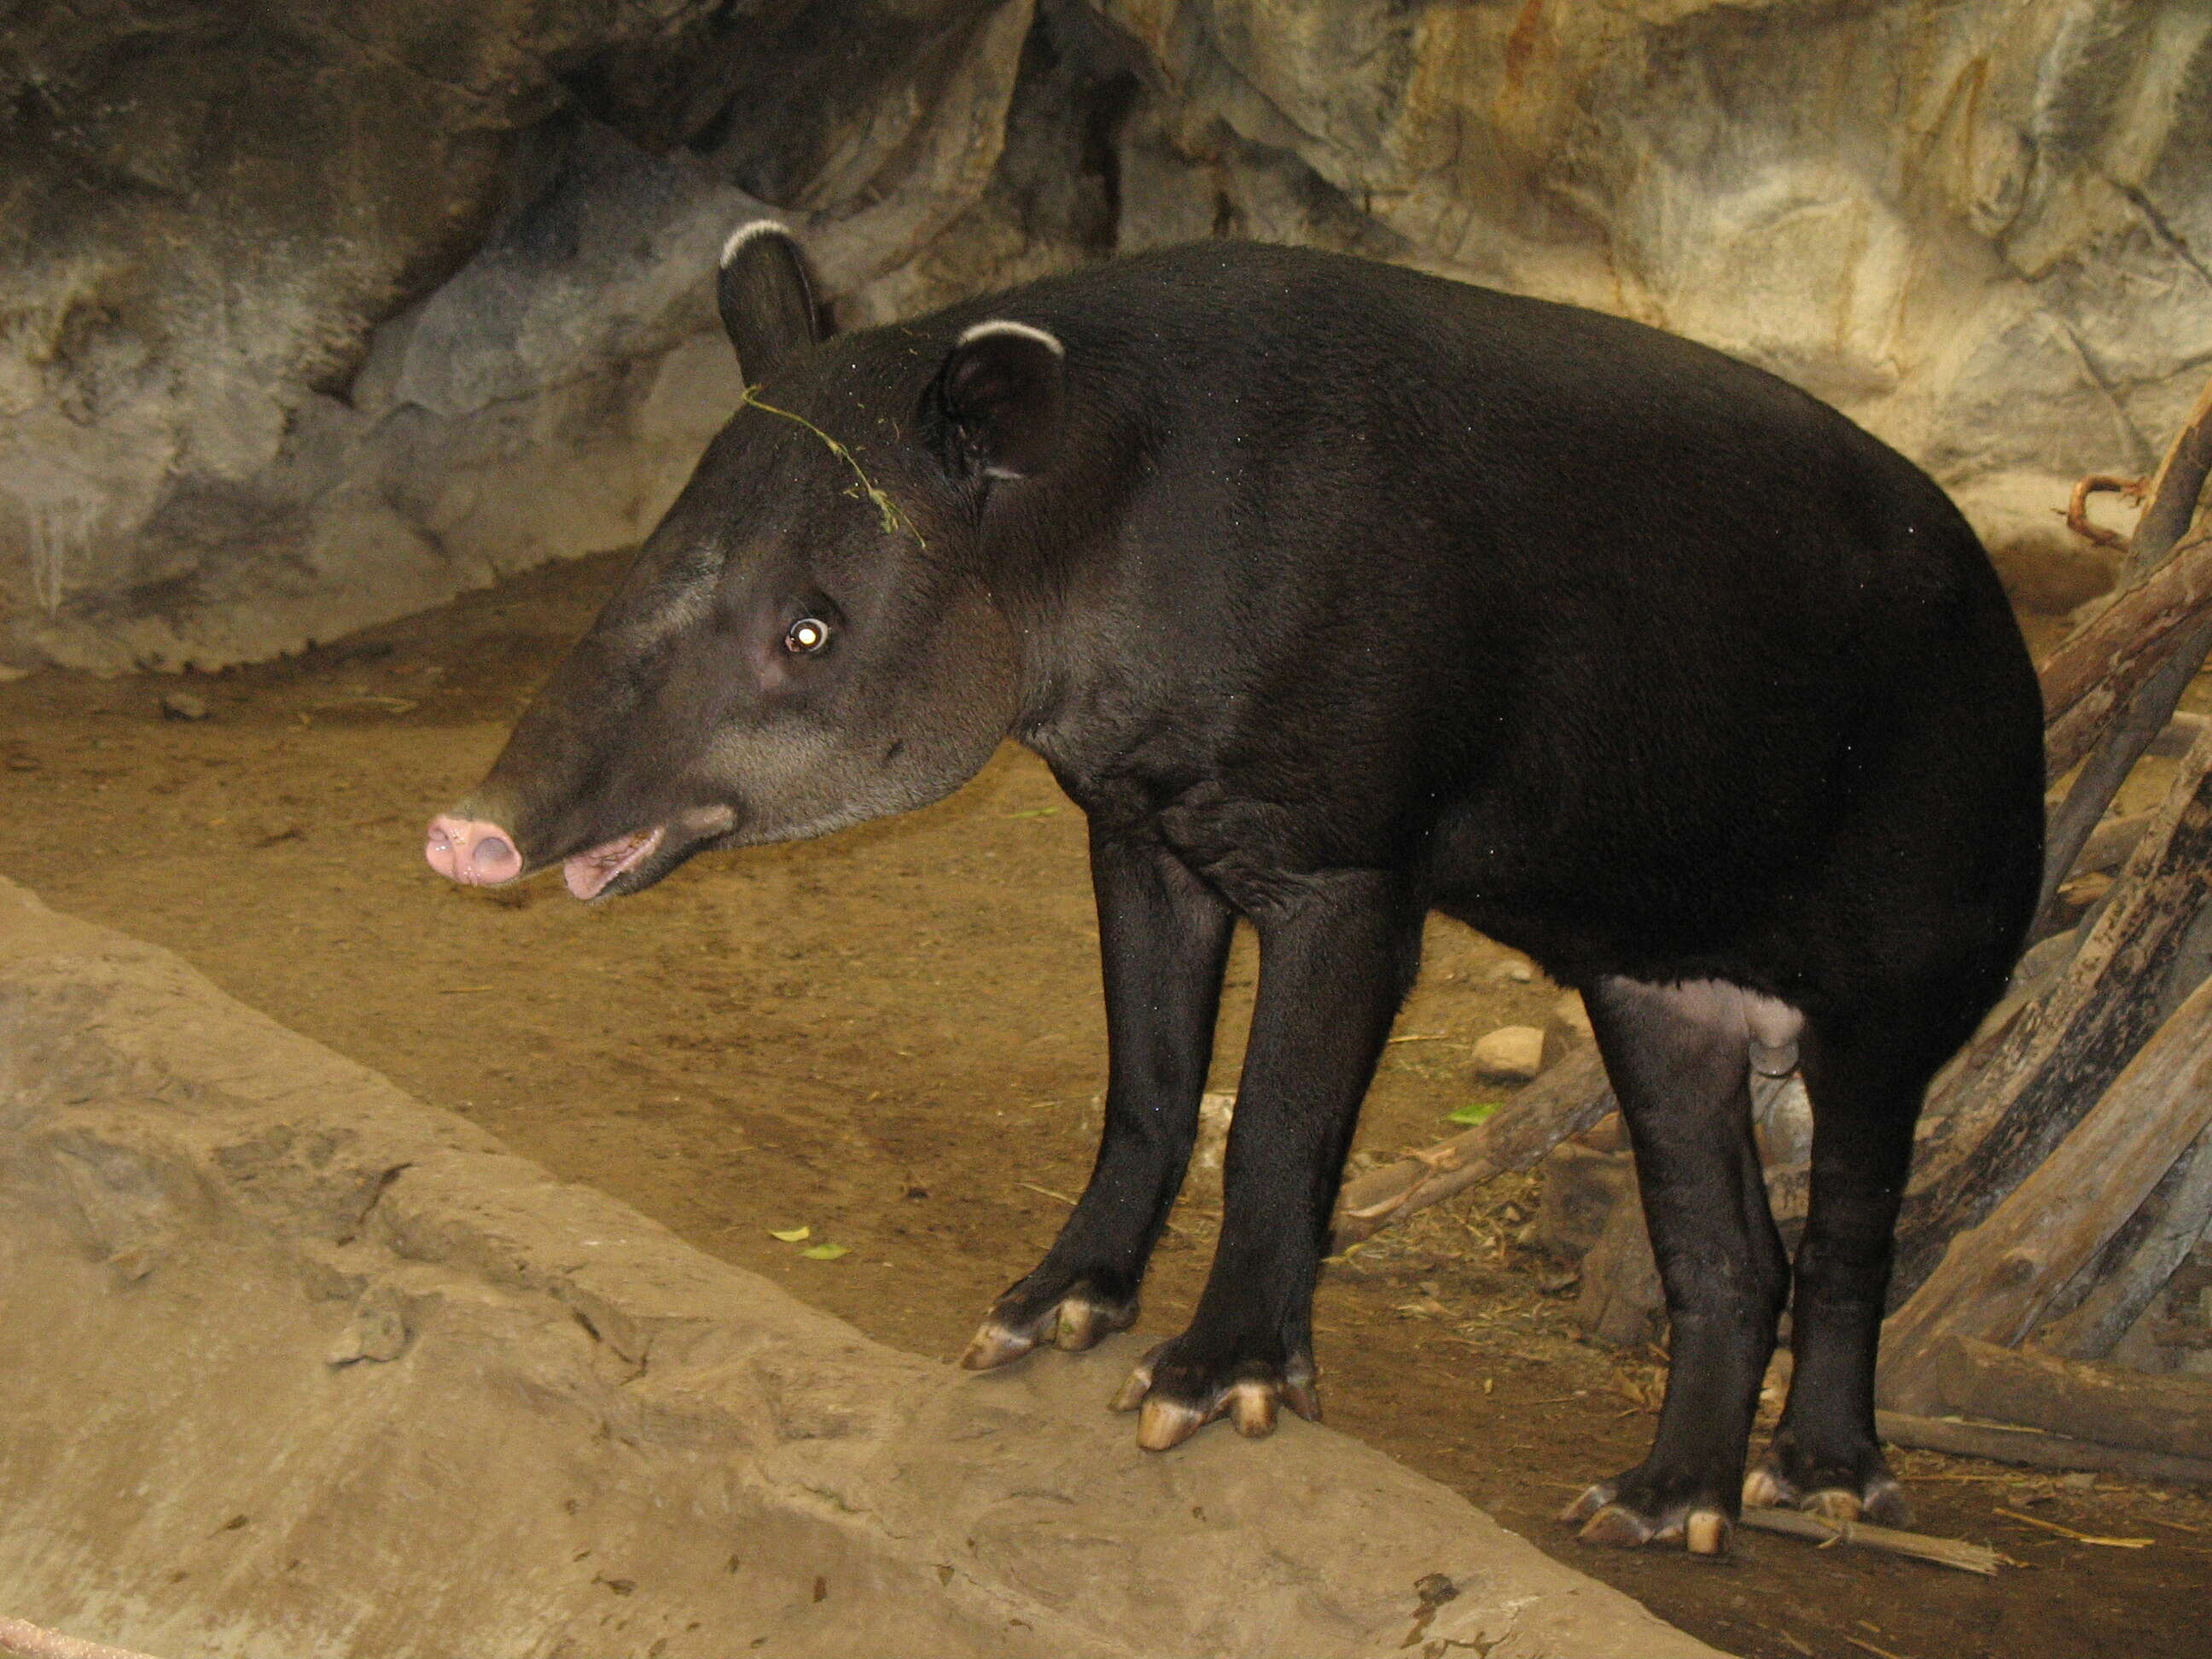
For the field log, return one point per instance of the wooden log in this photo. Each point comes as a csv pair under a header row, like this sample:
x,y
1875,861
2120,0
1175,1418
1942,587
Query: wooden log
x,y
1622,1304
2093,674
1997,1279
2089,710
2110,843
2181,731
2124,1282
2006,1443
2175,490
2061,1054
2112,1405
1566,1100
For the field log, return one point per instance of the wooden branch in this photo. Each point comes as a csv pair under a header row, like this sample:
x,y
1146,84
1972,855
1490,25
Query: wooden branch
x,y
2128,741
2007,1444
2111,842
2175,489
2181,731
19,1640
2062,1053
2102,483
1944,1551
2112,1405
2110,692
1996,1279
1565,1101
2093,674
2156,1241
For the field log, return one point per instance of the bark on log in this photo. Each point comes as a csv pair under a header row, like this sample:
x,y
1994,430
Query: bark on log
x,y
2061,1055
1622,1303
2111,1405
1997,1279
2180,731
2008,1444
2156,1242
1565,1101
2100,717
2090,678
2175,490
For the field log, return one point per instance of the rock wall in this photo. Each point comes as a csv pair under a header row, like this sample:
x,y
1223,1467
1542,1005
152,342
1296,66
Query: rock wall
x,y
312,315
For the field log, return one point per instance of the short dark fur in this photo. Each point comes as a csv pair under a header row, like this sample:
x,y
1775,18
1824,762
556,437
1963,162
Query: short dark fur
x,y
1341,594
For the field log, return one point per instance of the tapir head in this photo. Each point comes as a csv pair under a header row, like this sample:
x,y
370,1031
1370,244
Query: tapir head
x,y
810,637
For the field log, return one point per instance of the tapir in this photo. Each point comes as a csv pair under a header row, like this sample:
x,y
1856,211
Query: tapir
x,y
1334,593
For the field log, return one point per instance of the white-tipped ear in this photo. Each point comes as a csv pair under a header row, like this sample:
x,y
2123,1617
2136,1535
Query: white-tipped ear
x,y
746,232
997,406
1008,325
766,295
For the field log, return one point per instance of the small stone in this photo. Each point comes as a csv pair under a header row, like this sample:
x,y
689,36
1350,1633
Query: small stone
x,y
378,1331
183,706
1519,969
1511,1054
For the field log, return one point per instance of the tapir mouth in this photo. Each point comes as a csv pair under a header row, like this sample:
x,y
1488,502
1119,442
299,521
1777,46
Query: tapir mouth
x,y
587,873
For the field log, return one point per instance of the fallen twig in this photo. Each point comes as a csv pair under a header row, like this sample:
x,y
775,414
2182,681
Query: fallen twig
x,y
2078,1537
1943,1552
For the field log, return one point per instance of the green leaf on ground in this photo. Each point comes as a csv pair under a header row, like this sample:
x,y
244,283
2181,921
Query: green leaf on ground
x,y
791,1235
825,1252
1474,1112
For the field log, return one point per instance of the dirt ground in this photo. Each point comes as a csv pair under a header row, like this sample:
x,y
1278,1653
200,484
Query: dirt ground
x,y
892,1038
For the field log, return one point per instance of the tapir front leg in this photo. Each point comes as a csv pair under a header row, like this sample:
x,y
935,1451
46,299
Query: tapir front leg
x,y
1335,963
1163,941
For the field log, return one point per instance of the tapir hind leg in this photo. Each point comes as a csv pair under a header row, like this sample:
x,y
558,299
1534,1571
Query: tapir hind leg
x,y
1678,1057
1162,940
1866,1094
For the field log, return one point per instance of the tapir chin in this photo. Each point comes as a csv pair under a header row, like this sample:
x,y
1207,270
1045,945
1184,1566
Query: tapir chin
x,y
1334,594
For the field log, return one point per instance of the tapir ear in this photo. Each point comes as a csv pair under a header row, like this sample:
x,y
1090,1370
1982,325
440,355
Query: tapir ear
x,y
995,408
766,295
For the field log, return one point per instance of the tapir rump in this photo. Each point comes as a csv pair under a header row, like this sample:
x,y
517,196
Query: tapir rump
x,y
1335,594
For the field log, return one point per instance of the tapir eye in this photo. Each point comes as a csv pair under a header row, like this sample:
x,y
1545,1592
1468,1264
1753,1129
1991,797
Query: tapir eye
x,y
807,636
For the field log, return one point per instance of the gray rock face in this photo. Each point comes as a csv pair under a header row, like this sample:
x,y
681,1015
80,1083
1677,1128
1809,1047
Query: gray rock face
x,y
310,316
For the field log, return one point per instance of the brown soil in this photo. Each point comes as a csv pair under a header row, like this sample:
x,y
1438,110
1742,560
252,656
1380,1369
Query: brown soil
x,y
892,1037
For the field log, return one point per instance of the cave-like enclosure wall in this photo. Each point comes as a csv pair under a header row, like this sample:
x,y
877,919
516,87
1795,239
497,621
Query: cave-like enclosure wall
x,y
314,315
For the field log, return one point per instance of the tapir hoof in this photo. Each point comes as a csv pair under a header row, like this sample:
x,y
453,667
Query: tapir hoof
x,y
1611,1513
1073,1323
1174,1400
1872,1495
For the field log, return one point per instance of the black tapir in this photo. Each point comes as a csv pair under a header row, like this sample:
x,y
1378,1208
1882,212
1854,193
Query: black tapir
x,y
1335,593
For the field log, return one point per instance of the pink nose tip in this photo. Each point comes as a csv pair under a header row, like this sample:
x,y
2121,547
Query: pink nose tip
x,y
473,854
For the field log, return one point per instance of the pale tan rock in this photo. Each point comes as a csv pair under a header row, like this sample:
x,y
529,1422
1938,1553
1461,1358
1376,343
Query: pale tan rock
x,y
1511,1054
394,1390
